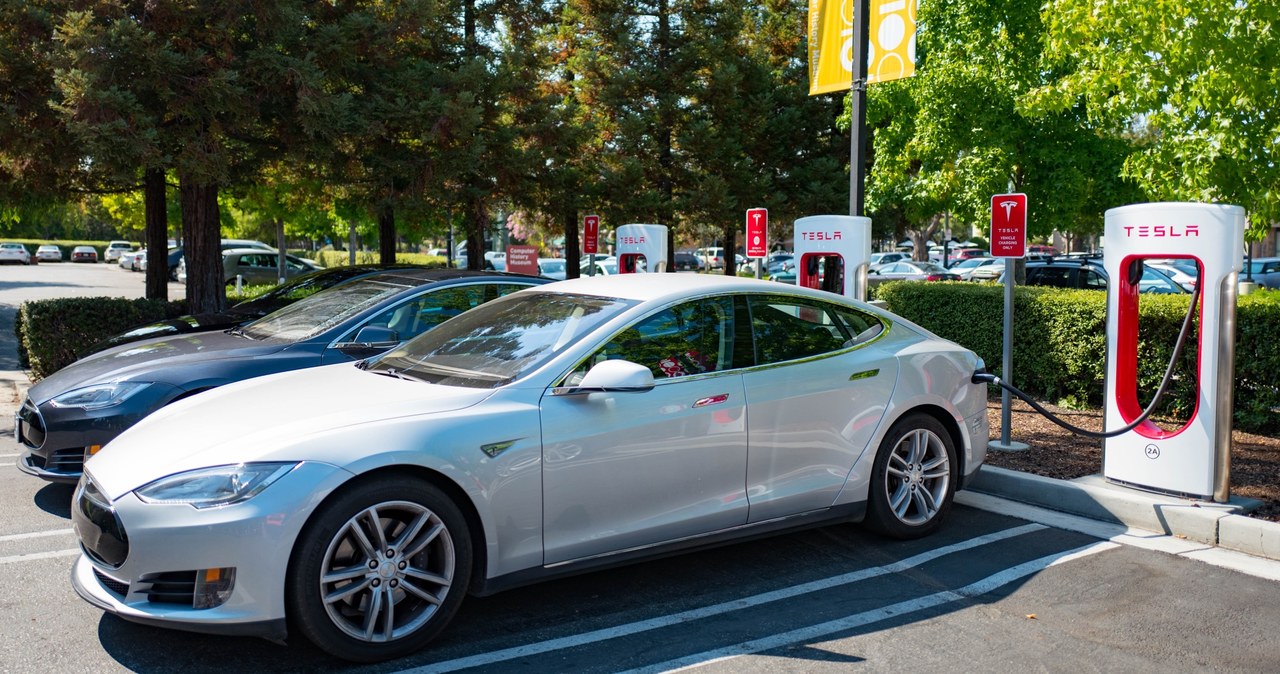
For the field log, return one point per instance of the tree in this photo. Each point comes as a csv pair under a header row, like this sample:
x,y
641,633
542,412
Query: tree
x,y
1199,78
948,138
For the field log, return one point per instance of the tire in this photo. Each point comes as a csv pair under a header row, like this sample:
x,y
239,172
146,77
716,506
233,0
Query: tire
x,y
913,481
424,586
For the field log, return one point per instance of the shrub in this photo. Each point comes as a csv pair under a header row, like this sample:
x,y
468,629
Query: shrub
x,y
339,258
1059,342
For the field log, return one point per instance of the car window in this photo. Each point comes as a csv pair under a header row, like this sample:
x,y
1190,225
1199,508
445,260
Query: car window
x,y
415,316
322,311
789,328
687,339
1092,279
1056,277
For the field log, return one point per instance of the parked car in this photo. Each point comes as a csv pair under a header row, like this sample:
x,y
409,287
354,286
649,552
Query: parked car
x,y
548,432
127,259
712,258
84,254
1265,271
15,253
70,414
604,266
552,267
962,254
1185,275
1090,275
686,261
257,266
281,296
886,258
49,253
115,249
910,270
968,269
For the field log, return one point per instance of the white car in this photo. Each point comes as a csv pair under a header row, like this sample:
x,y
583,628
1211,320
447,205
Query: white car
x,y
127,259
49,253
14,252
555,430
115,249
552,267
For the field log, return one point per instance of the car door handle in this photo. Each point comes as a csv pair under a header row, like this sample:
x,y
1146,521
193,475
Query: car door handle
x,y
711,400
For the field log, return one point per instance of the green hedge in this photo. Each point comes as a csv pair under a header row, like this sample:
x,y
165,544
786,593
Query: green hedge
x,y
339,258
1059,342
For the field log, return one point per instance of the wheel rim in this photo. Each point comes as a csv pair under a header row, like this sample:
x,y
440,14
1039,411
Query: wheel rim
x,y
387,571
918,477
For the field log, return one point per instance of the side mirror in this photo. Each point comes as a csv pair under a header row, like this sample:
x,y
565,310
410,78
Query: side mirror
x,y
372,337
611,376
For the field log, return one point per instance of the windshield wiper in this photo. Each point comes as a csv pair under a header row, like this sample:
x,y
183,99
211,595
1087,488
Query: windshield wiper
x,y
392,372
239,332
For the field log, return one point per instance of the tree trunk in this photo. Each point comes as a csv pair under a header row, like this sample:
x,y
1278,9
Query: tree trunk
x,y
156,238
730,245
666,131
387,233
477,221
281,264
572,252
206,287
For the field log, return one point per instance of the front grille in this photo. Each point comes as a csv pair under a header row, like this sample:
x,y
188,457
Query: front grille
x,y
170,587
31,429
116,586
101,534
66,460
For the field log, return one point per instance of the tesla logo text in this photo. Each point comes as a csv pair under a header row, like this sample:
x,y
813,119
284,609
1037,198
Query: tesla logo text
x,y
631,240
820,236
1161,231
1008,207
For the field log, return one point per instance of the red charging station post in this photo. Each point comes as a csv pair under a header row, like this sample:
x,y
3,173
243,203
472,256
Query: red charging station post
x,y
590,241
757,235
1008,241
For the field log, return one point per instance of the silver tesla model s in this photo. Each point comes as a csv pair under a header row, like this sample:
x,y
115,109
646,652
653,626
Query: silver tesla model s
x,y
559,429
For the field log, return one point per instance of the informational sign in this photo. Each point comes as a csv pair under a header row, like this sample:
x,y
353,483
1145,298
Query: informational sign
x,y
590,234
891,48
757,232
522,260
1009,225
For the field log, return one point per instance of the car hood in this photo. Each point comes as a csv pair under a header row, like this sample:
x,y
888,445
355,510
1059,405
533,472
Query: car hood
x,y
263,419
151,360
179,326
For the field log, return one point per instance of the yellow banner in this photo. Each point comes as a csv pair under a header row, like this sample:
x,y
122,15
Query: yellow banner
x,y
891,52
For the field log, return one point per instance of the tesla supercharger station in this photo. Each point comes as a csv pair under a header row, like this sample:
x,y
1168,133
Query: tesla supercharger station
x,y
641,248
832,253
1193,460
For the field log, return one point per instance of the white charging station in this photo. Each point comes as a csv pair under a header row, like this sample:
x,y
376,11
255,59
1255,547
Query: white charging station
x,y
832,253
1193,460
641,248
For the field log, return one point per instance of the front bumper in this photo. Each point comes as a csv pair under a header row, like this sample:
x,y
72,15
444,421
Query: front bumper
x,y
169,542
56,439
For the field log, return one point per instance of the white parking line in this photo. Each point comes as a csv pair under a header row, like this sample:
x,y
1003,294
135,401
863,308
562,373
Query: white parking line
x,y
820,630
717,609
39,555
36,534
10,456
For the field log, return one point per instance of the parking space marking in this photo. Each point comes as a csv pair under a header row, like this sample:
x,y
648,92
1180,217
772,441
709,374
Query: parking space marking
x,y
39,555
716,609
813,632
10,456
35,534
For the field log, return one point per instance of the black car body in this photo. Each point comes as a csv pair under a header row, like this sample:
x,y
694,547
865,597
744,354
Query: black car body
x,y
1087,274
72,413
281,296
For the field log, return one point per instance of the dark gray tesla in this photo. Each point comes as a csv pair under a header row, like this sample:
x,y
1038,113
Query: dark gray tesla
x,y
71,414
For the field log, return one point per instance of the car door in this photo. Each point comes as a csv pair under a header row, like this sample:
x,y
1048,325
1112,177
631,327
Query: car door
x,y
628,470
816,396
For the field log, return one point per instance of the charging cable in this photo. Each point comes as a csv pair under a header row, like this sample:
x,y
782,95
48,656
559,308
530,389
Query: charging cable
x,y
981,377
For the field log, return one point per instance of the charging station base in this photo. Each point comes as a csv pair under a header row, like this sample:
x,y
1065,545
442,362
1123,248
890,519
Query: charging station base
x,y
1011,446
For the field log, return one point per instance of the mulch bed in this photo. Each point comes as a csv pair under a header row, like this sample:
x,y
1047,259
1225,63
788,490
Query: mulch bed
x,y
1058,453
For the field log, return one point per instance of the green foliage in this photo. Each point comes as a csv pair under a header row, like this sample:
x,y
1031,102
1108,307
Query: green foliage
x,y
1059,342
57,332
1195,80
341,258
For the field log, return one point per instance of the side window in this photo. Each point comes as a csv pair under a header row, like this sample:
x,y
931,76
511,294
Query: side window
x,y
687,339
1092,280
787,329
862,327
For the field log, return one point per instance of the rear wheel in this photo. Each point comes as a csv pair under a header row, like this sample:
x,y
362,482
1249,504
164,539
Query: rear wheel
x,y
913,479
380,570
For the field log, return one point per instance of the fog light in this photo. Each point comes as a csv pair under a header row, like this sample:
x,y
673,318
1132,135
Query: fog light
x,y
213,587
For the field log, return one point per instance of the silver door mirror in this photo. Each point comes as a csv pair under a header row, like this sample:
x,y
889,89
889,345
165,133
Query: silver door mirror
x,y
612,376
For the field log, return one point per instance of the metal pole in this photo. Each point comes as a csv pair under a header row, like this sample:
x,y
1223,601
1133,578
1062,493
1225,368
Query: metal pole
x,y
858,108
1006,367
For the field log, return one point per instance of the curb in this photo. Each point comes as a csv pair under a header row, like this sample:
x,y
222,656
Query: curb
x,y
1220,524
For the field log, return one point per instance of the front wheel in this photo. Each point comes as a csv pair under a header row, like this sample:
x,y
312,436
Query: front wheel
x,y
913,480
380,570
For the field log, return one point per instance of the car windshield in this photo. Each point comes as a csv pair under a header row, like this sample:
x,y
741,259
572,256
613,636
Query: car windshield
x,y
499,341
551,266
931,268
313,315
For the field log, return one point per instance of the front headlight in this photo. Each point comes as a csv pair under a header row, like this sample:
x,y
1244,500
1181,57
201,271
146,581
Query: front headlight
x,y
99,396
217,486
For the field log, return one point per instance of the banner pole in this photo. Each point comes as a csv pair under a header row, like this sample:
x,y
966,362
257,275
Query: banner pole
x,y
858,108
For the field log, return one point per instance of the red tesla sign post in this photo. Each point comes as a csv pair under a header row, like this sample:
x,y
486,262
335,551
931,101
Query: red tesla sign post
x,y
757,235
590,239
1009,241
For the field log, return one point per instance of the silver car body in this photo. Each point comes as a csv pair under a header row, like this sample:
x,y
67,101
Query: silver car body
x,y
14,252
556,483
